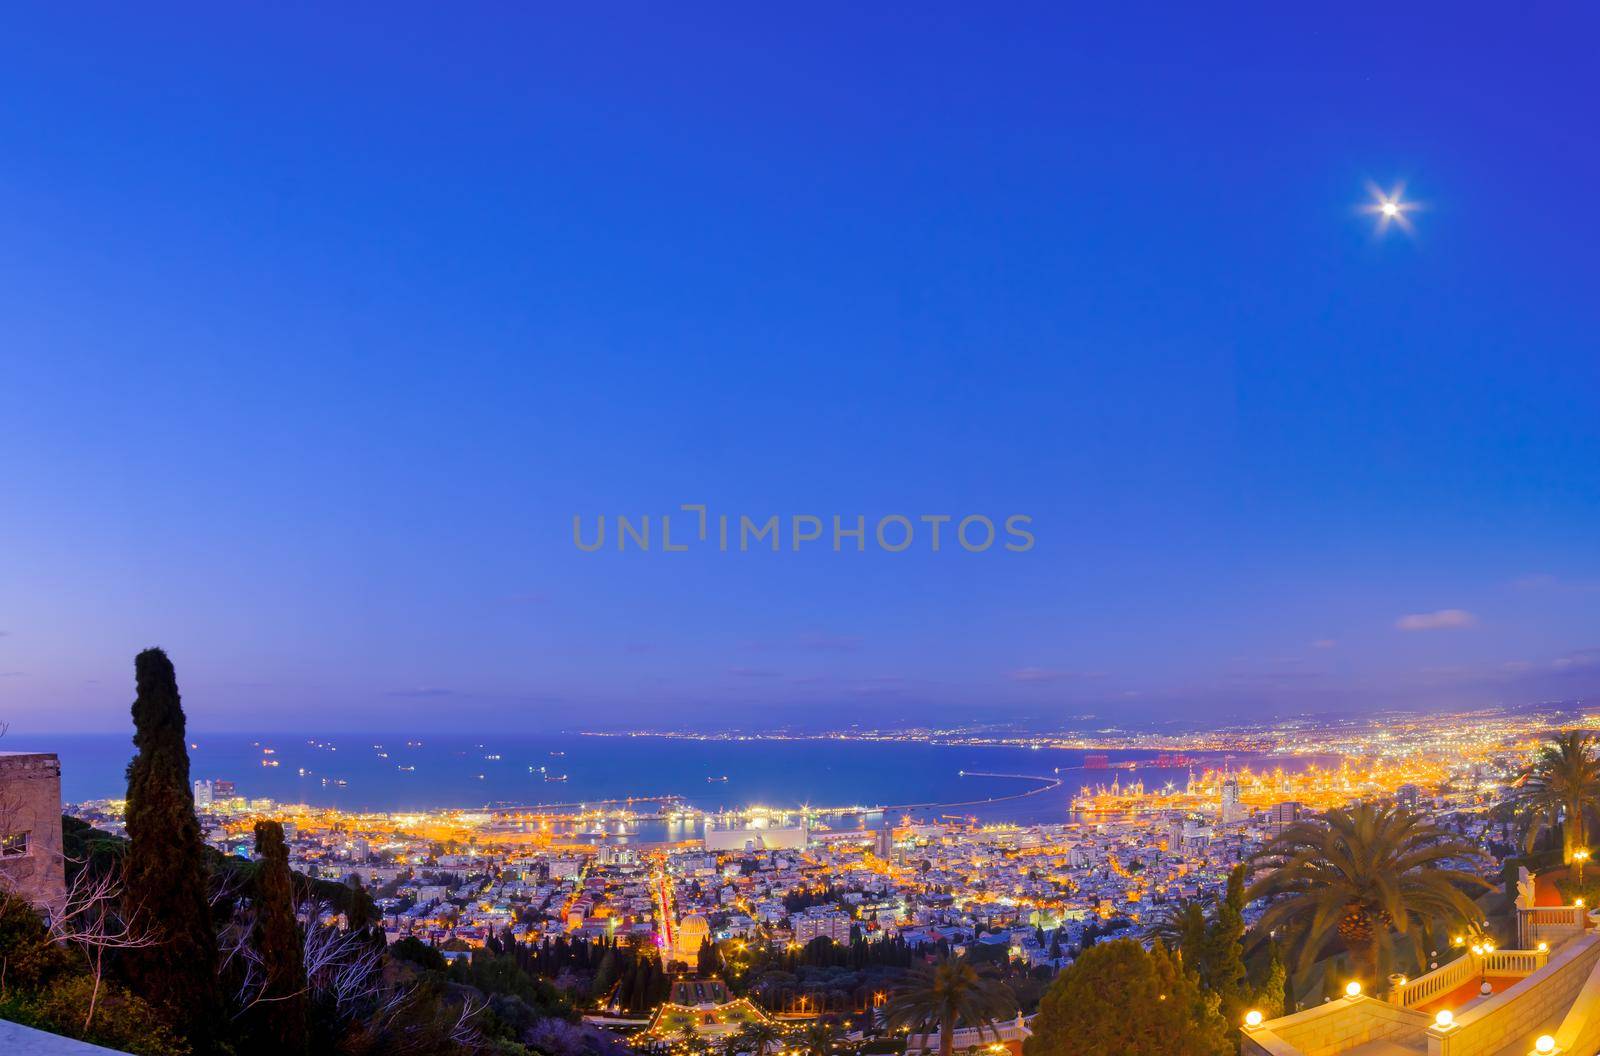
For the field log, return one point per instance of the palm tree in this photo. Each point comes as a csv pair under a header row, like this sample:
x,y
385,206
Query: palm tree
x,y
948,995
756,1038
1362,874
820,1038
1561,785
1177,924
690,1040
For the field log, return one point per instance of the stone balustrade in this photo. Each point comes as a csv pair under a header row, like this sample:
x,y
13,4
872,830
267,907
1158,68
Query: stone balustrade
x,y
1437,983
1551,925
1558,988
1516,1016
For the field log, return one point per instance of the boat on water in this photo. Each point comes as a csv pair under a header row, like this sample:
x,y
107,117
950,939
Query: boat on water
x,y
724,777
555,777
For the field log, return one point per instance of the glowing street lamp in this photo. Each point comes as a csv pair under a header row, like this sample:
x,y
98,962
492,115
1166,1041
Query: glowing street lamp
x,y
1580,857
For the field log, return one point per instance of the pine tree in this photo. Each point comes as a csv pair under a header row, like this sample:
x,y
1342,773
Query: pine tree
x,y
165,873
1120,998
278,1019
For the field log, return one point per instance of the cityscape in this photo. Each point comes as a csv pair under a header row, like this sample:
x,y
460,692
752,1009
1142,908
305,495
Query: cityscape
x,y
735,530
661,926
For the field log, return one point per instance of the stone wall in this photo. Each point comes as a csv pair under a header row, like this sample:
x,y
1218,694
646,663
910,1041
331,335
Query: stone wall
x,y
30,827
1580,1030
1337,1026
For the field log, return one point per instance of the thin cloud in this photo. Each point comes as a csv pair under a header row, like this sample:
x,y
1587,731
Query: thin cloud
x,y
1442,620
831,643
421,693
751,672
1043,675
1581,658
1325,643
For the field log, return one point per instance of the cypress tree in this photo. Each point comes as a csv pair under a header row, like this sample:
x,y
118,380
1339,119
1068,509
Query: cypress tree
x,y
627,987
279,1017
360,914
1272,995
165,872
605,975
1222,968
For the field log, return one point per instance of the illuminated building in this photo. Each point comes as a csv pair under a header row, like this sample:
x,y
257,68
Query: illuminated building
x,y
757,837
692,931
1282,815
1232,811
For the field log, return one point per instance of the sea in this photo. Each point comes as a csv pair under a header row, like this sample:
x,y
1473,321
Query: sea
x,y
385,772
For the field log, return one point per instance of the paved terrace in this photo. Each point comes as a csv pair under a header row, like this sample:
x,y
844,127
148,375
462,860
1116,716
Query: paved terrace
x,y
1554,991
18,1040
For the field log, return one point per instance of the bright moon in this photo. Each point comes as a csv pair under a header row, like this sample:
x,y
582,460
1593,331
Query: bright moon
x,y
1390,207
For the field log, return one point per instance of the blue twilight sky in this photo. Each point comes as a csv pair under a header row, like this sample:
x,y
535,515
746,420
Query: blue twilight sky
x,y
318,326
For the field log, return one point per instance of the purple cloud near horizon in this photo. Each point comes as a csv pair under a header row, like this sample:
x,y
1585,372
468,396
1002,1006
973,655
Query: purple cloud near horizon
x,y
1440,620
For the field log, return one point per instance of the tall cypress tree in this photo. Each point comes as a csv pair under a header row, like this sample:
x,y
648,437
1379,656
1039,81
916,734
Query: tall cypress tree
x,y
1222,968
278,1020
165,872
360,913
